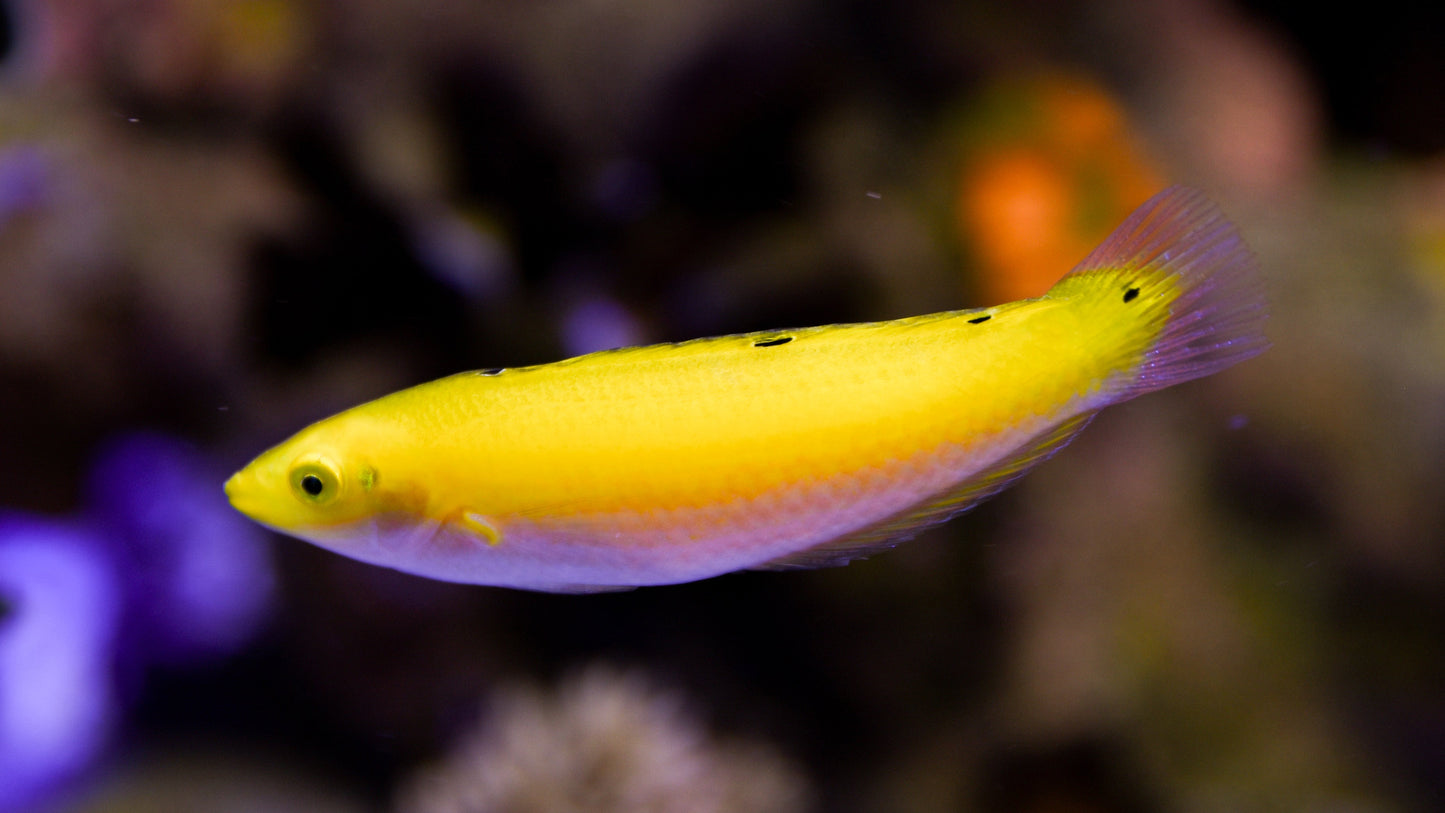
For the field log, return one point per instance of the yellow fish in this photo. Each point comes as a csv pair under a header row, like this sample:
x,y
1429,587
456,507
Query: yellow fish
x,y
786,448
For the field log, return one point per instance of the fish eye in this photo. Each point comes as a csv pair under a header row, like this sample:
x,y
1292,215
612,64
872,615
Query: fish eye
x,y
311,484
316,480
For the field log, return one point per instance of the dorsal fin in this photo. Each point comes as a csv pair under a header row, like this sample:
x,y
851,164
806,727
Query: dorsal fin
x,y
887,533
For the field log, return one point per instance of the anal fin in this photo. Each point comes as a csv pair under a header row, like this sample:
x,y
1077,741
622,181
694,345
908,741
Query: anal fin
x,y
890,531
577,589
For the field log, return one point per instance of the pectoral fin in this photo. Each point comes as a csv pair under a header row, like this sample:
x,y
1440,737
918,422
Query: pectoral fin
x,y
480,526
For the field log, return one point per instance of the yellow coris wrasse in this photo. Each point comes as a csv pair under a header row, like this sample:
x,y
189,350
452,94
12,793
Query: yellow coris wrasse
x,y
789,448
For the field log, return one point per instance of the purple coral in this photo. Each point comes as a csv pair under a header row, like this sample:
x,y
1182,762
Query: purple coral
x,y
59,615
158,570
198,578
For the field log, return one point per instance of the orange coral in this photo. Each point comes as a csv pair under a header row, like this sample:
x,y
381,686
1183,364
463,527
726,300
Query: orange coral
x,y
1051,168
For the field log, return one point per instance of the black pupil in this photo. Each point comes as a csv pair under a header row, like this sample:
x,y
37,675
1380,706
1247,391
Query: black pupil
x,y
311,484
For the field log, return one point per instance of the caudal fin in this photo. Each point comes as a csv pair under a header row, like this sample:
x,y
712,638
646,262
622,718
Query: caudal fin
x,y
1188,268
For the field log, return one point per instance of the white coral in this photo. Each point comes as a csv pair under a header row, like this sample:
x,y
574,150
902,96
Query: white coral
x,y
605,741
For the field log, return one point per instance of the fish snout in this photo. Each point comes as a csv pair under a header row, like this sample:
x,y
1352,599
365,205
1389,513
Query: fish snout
x,y
243,494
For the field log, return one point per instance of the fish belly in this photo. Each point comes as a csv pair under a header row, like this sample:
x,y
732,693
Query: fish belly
x,y
685,543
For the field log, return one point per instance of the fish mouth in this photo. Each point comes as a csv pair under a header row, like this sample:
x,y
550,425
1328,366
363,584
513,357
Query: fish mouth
x,y
241,493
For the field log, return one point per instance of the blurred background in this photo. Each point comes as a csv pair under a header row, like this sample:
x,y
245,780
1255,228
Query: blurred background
x,y
221,220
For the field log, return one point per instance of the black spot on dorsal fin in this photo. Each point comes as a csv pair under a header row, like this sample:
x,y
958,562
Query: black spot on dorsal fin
x,y
1131,294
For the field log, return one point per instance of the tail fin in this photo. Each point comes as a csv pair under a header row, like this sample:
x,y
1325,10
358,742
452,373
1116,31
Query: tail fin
x,y
1185,266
